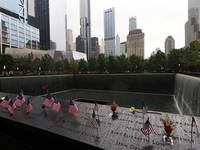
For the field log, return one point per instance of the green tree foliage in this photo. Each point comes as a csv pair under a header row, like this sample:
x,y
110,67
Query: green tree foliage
x,y
174,59
101,61
157,61
92,64
112,64
6,62
136,63
74,66
66,65
59,66
187,59
122,63
47,63
82,65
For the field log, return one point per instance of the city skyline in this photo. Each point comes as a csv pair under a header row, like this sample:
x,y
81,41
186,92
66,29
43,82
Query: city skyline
x,y
158,19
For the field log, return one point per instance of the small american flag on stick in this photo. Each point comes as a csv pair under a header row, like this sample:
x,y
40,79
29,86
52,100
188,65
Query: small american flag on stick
x,y
29,107
20,100
6,101
48,101
56,105
11,107
147,128
93,121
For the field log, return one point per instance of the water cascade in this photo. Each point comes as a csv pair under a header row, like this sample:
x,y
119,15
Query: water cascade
x,y
187,94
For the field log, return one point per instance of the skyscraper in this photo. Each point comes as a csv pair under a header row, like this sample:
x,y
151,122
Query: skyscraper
x,y
15,32
169,44
71,45
109,32
135,43
50,17
192,26
85,24
132,23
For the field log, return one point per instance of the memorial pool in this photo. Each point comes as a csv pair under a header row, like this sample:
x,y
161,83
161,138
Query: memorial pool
x,y
155,102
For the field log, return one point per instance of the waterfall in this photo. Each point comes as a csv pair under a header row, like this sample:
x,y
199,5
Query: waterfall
x,y
187,94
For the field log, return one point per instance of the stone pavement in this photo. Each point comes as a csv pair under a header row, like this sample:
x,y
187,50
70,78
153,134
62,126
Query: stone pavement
x,y
122,132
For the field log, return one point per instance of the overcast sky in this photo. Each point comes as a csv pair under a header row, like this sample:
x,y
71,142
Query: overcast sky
x,y
157,19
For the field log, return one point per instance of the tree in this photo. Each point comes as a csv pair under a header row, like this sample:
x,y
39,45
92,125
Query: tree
x,y
112,64
47,63
191,57
157,61
74,65
101,63
122,63
59,66
6,62
37,64
82,65
174,59
92,64
136,63
66,65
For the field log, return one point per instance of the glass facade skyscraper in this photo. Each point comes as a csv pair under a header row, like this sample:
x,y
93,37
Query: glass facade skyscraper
x,y
50,17
85,24
14,31
132,23
109,32
192,26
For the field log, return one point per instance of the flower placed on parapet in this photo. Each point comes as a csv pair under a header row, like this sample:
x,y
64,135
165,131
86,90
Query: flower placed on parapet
x,y
132,110
45,87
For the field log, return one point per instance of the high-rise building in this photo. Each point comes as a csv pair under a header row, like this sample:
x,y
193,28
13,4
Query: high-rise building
x,y
85,24
81,44
117,46
169,44
50,17
70,41
132,23
15,32
109,32
135,43
95,49
192,26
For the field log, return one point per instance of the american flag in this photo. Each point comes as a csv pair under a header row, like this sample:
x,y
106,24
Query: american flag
x,y
56,105
147,128
29,106
195,125
6,101
144,108
72,107
93,121
48,101
96,107
20,100
11,107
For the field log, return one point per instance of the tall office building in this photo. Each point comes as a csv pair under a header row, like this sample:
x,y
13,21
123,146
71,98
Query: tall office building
x,y
169,44
109,32
135,43
71,45
50,17
132,23
192,26
85,24
95,48
15,32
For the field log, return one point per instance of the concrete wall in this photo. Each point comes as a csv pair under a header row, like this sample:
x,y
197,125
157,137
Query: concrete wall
x,y
144,83
32,85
